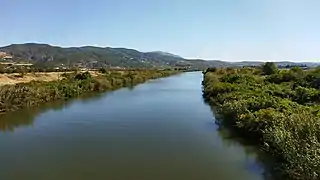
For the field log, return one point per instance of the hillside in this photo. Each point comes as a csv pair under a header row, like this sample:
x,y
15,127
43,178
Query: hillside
x,y
76,56
88,56
166,54
96,57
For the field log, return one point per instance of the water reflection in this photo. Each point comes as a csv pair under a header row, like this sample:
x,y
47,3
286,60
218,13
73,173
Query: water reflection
x,y
263,162
25,117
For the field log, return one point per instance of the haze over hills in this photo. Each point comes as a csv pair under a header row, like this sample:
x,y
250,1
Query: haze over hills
x,y
95,57
166,54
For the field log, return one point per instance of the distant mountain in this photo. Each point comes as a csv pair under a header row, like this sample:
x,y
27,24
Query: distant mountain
x,y
311,64
95,57
87,56
279,63
92,57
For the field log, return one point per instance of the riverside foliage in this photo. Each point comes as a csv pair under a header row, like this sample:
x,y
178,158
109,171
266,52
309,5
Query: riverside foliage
x,y
13,97
280,111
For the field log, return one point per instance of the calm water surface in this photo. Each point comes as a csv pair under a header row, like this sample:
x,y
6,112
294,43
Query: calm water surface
x,y
158,130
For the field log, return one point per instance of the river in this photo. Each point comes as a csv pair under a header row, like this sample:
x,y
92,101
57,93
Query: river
x,y
158,130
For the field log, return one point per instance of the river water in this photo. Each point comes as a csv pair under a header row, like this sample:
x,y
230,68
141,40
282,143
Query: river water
x,y
158,130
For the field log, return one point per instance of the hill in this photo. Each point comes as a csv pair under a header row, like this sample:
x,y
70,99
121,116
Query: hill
x,y
96,57
87,56
76,56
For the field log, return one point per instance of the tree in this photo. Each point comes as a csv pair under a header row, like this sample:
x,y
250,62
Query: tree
x,y
83,76
2,69
269,68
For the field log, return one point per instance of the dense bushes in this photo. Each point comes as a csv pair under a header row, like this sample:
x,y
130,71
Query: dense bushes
x,y
280,111
18,96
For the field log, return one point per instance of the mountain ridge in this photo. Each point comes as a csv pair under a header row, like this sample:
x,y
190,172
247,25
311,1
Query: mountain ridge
x,y
95,57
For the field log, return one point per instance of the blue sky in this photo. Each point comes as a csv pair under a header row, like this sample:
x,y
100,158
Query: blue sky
x,y
209,29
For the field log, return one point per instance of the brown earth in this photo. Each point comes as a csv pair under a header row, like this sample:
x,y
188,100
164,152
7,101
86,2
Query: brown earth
x,y
15,78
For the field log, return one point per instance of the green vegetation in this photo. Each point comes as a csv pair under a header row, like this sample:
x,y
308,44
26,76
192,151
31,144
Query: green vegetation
x,y
13,97
279,111
44,56
269,68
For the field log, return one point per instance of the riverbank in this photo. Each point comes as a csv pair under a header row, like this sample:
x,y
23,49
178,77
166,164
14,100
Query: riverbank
x,y
278,112
21,95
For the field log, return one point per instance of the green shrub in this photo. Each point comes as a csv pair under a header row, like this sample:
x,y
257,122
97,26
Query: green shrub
x,y
269,68
83,76
280,112
211,69
102,70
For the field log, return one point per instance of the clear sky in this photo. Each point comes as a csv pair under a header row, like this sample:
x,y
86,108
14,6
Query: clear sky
x,y
208,29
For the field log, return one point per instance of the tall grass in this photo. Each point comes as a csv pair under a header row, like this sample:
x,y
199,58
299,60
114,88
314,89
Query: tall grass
x,y
13,97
